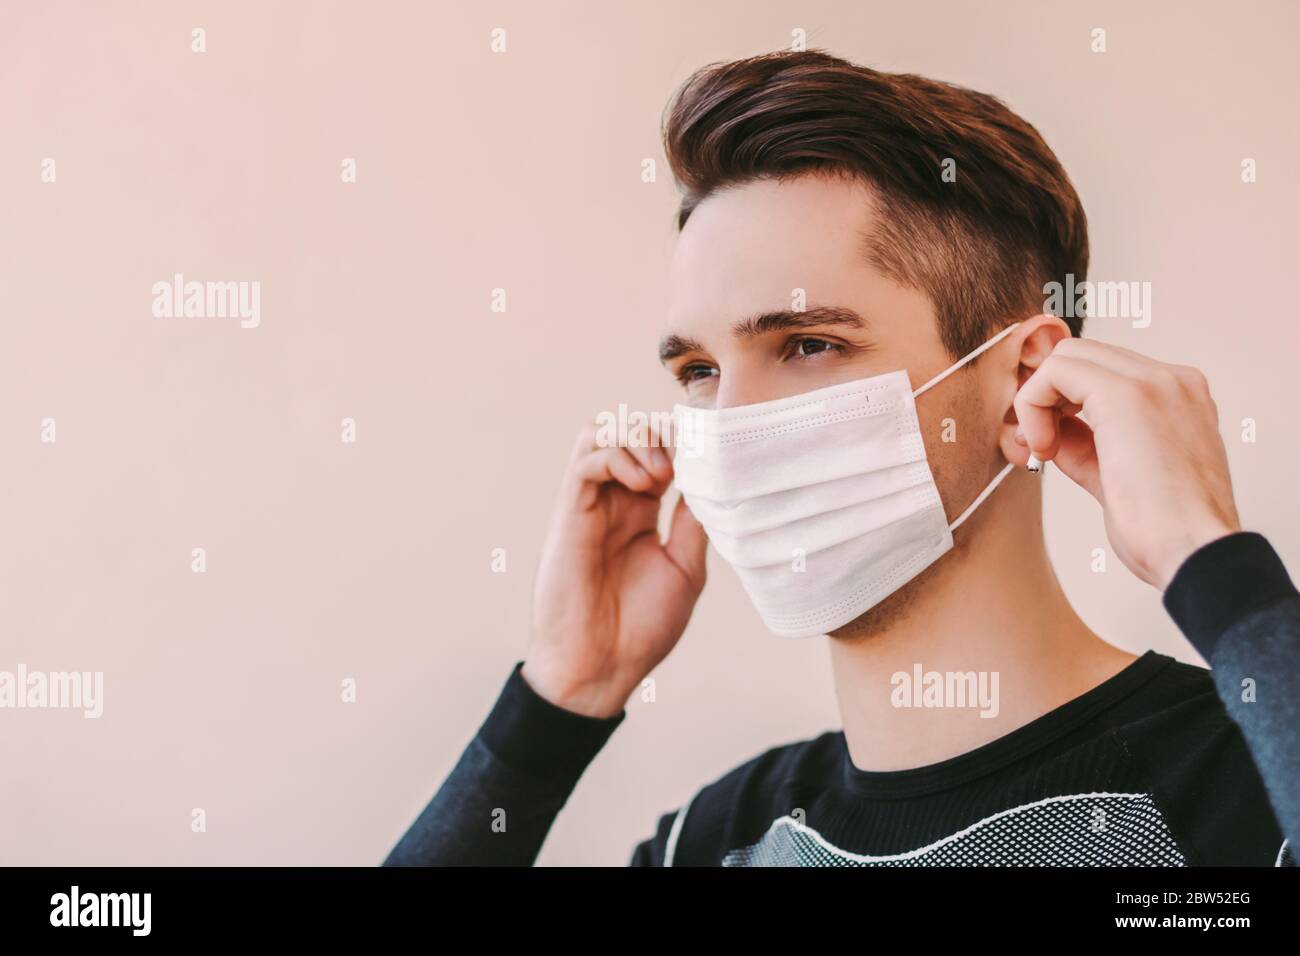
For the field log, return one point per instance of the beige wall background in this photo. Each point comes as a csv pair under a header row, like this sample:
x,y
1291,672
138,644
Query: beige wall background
x,y
519,170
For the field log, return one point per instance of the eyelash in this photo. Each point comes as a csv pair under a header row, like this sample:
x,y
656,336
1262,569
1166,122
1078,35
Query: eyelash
x,y
801,339
685,376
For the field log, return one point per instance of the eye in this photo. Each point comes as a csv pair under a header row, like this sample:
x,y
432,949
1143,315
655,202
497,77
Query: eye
x,y
805,346
695,372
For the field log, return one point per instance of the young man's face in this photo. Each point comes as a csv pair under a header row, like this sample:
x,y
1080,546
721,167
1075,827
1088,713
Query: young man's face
x,y
736,335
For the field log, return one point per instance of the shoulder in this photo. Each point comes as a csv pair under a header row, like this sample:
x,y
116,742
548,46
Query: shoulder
x,y
1199,768
740,805
1177,703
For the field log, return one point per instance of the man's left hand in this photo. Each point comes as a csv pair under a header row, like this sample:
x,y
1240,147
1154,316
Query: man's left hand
x,y
1149,452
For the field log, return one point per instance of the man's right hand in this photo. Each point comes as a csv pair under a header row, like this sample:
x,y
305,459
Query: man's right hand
x,y
611,600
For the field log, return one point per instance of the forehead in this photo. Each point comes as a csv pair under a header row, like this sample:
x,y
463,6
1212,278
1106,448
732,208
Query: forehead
x,y
747,248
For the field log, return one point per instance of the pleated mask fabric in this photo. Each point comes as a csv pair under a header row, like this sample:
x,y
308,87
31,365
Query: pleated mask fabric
x,y
823,502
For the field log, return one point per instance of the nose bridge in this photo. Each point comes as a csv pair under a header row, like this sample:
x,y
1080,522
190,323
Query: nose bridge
x,y
733,392
745,382
737,394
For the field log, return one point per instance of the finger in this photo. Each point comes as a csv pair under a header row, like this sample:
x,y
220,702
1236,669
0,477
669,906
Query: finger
x,y
687,543
610,465
1132,364
654,461
1113,358
652,458
1059,382
1141,369
1077,456
661,461
584,443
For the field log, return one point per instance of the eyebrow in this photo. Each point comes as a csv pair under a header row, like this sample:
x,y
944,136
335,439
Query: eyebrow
x,y
675,345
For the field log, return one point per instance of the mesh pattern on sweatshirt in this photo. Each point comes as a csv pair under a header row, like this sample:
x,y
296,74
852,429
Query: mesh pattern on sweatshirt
x,y
1079,830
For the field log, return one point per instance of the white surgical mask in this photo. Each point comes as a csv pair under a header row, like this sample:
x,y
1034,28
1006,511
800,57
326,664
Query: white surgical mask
x,y
823,502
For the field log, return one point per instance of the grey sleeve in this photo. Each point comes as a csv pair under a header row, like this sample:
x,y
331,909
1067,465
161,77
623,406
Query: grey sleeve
x,y
499,801
1235,602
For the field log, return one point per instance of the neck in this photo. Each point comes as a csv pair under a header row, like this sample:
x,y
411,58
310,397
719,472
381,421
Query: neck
x,y
991,606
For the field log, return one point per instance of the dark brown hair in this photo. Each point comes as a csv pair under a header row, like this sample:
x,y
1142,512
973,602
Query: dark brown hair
x,y
981,247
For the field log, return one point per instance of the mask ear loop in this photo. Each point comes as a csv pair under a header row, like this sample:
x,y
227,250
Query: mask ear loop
x,y
979,500
969,358
988,489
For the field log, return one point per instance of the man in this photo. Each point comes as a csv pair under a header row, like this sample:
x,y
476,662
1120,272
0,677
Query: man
x,y
922,222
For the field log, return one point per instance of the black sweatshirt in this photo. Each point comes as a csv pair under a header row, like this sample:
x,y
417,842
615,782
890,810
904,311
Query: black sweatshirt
x,y
1164,764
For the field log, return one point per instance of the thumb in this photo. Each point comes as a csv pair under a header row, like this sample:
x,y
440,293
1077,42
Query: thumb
x,y
1077,455
687,543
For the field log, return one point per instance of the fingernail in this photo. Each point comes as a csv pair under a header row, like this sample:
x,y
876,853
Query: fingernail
x,y
1020,437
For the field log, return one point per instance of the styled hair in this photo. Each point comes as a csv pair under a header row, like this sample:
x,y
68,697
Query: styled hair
x,y
981,246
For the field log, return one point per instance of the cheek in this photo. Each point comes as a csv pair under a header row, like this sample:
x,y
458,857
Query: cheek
x,y
959,443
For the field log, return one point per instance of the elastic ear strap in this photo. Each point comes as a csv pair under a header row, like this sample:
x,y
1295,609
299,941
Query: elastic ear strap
x,y
982,495
969,358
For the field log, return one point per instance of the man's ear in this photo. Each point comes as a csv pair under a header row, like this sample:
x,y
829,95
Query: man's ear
x,y
1035,339
1038,336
